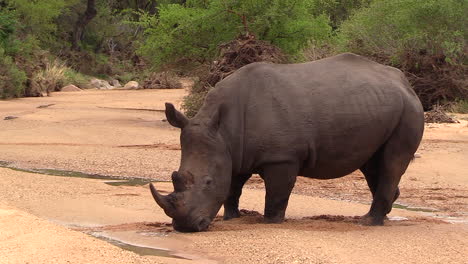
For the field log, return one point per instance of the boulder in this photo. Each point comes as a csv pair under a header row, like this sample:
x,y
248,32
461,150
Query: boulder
x,y
116,83
131,85
71,88
100,84
95,83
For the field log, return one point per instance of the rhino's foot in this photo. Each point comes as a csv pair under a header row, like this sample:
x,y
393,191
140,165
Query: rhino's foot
x,y
230,214
274,219
369,220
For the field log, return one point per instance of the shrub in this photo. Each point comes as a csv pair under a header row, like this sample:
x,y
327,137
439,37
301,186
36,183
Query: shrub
x,y
75,78
50,79
245,49
338,10
426,39
38,17
12,79
458,106
193,31
193,102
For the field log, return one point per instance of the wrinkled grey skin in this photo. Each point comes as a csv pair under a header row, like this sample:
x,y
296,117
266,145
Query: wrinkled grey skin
x,y
323,120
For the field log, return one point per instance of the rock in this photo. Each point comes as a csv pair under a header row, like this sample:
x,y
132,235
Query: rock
x,y
10,117
116,83
100,84
71,88
95,83
131,85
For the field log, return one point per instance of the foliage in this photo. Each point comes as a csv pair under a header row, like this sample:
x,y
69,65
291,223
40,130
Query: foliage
x,y
235,54
338,10
194,30
8,25
76,78
458,106
391,28
38,17
12,79
426,39
193,102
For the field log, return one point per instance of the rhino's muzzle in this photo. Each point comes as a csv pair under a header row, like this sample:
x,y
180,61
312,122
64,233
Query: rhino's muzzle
x,y
201,224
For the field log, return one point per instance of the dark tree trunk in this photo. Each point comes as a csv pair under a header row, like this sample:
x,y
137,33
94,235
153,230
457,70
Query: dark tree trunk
x,y
80,25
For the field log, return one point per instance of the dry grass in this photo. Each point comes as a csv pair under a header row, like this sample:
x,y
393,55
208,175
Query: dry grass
x,y
50,79
458,106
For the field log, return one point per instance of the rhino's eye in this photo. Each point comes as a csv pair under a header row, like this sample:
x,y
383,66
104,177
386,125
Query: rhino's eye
x,y
208,181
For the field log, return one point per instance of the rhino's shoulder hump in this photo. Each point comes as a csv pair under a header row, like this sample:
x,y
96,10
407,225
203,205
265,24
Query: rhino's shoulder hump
x,y
248,72
349,57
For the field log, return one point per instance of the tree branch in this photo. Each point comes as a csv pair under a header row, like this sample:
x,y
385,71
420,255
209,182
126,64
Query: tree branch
x,y
81,23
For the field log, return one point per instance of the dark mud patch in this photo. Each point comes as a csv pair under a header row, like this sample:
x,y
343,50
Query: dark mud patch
x,y
452,202
132,109
334,218
154,228
45,106
336,223
10,117
245,212
445,141
127,194
149,146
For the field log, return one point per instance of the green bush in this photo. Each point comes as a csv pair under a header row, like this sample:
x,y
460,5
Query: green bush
x,y
458,106
8,25
75,78
38,17
194,30
391,28
12,79
426,39
338,10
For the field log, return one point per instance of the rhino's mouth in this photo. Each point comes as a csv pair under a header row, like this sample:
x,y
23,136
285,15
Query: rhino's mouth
x,y
201,224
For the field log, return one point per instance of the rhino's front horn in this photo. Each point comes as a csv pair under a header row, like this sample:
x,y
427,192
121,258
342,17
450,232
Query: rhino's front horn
x,y
163,201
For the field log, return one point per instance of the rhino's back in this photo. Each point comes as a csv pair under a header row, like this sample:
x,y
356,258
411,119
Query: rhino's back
x,y
334,112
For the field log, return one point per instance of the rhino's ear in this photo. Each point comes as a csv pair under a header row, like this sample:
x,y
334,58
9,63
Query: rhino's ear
x,y
174,117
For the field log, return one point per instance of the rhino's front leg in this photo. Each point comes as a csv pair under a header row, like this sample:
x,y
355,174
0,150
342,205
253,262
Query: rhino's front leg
x,y
279,182
231,205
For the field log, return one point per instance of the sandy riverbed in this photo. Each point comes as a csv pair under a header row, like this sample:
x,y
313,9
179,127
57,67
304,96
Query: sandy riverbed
x,y
51,219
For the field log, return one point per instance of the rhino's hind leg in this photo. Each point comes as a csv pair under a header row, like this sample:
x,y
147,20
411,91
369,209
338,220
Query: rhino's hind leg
x,y
231,205
279,181
371,173
383,173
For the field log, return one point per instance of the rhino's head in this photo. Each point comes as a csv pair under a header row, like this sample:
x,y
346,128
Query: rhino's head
x,y
202,182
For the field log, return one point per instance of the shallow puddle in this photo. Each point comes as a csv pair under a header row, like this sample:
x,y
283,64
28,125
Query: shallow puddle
x,y
140,250
110,180
415,209
130,182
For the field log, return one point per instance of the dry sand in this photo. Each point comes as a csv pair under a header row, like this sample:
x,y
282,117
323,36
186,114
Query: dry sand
x,y
49,219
